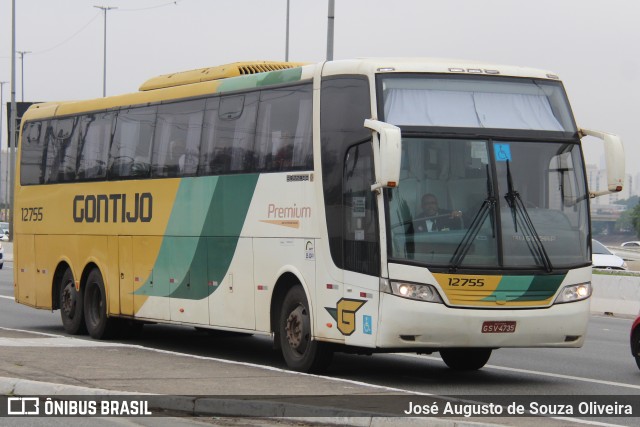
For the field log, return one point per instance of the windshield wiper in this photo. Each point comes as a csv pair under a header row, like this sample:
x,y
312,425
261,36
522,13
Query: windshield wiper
x,y
521,216
488,207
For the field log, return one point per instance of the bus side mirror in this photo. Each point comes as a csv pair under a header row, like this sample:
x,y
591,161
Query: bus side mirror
x,y
387,152
614,157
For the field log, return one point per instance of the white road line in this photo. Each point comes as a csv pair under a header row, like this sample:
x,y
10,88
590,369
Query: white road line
x,y
65,342
544,374
7,297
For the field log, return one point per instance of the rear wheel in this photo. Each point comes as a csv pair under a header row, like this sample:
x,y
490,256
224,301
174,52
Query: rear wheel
x,y
99,325
466,359
298,349
71,305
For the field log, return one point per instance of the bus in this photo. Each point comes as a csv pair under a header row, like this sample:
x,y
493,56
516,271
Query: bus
x,y
369,205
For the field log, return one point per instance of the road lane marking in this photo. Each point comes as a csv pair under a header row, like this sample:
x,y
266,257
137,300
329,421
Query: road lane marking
x,y
7,297
52,342
544,374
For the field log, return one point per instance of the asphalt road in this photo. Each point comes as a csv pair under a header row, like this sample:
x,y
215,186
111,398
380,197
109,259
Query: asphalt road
x,y
604,366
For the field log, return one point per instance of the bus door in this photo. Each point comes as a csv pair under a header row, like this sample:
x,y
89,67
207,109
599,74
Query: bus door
x,y
358,315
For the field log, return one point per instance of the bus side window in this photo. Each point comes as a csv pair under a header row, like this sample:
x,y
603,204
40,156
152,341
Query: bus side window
x,y
94,137
130,155
176,143
283,140
207,145
33,150
61,151
235,134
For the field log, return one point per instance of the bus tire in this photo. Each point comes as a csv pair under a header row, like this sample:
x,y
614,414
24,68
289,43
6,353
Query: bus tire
x,y
300,352
99,325
71,303
466,359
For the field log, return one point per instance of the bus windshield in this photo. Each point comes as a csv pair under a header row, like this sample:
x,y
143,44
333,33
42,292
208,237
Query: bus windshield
x,y
478,203
476,102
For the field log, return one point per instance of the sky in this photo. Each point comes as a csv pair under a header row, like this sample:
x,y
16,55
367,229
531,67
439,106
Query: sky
x,y
591,44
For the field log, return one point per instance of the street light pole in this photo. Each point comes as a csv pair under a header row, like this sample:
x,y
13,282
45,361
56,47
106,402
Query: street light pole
x,y
22,53
13,120
5,194
286,51
105,9
331,18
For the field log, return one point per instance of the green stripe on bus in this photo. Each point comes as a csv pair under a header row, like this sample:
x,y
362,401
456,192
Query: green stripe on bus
x,y
211,212
542,287
259,80
526,288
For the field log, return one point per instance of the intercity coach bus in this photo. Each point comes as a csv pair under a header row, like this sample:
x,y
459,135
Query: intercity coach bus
x,y
371,205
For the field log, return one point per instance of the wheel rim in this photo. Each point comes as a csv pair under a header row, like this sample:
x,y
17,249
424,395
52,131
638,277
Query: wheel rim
x,y
297,329
69,300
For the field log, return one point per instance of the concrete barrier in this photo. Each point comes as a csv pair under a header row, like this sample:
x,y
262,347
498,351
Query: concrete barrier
x,y
616,293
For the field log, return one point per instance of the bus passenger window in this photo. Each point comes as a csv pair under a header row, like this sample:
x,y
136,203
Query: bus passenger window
x,y
31,161
61,151
235,134
177,139
283,140
207,146
130,155
94,138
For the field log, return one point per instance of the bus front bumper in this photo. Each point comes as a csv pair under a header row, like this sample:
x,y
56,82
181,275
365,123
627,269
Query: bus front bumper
x,y
405,323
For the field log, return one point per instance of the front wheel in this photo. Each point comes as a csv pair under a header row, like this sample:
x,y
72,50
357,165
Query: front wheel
x,y
466,359
294,330
95,308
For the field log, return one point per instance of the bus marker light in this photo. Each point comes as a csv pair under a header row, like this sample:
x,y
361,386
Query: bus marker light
x,y
172,280
365,295
263,288
213,283
182,310
329,325
331,286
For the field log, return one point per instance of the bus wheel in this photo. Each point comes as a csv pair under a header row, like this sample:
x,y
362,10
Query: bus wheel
x,y
466,359
300,352
95,308
71,306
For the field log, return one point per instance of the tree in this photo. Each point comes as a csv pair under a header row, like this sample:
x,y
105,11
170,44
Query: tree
x,y
635,219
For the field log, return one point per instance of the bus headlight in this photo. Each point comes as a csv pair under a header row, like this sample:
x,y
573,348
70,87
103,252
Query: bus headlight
x,y
420,292
574,293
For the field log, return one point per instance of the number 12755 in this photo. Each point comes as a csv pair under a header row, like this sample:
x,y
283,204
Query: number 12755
x,y
32,214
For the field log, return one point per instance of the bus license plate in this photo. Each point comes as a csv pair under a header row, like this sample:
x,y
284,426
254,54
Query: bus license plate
x,y
499,327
